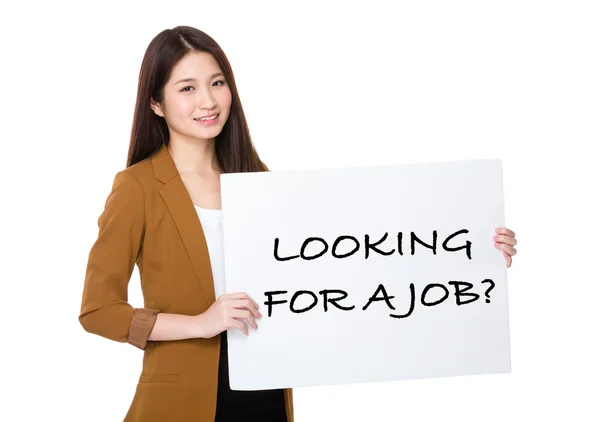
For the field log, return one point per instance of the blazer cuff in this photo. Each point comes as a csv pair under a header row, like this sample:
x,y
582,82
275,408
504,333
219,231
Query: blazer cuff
x,y
141,325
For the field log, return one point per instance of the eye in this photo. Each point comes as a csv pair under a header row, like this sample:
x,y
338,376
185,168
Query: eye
x,y
222,81
185,88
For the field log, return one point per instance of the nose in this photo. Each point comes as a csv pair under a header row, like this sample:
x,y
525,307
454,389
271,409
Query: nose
x,y
205,99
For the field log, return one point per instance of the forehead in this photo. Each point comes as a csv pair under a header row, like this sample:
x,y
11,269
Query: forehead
x,y
196,64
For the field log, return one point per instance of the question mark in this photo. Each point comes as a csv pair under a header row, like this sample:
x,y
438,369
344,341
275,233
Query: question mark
x,y
487,292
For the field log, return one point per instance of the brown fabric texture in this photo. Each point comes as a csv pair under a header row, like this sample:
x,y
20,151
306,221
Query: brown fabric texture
x,y
149,221
141,326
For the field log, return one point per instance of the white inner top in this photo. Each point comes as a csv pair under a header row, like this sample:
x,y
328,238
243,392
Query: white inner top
x,y
212,224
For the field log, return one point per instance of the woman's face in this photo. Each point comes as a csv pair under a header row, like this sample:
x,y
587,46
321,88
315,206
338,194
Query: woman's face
x,y
197,88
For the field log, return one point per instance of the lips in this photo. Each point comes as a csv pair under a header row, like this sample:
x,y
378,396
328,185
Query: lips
x,y
207,118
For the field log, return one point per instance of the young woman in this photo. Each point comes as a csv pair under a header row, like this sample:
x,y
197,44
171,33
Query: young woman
x,y
164,214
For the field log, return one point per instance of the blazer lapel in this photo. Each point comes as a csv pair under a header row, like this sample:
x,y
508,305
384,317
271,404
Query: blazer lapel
x,y
184,214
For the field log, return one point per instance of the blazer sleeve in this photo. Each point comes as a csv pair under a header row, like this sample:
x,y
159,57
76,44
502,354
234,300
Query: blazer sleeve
x,y
104,307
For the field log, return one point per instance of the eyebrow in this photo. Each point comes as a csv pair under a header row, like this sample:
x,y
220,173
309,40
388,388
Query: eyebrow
x,y
214,75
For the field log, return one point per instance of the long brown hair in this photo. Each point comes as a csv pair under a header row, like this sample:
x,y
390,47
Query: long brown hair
x,y
234,149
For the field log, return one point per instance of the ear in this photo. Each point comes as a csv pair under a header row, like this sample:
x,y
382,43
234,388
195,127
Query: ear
x,y
156,108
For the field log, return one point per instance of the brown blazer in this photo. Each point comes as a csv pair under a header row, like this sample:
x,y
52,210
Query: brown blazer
x,y
149,219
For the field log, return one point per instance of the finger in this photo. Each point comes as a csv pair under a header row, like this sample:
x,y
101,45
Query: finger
x,y
246,304
252,301
507,248
242,295
505,239
508,260
236,295
504,230
234,323
245,315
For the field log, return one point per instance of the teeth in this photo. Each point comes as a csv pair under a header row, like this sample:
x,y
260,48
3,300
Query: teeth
x,y
208,118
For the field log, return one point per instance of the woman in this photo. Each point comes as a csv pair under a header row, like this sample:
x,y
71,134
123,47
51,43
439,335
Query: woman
x,y
163,214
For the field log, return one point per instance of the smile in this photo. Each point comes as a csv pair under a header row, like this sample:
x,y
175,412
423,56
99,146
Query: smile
x,y
208,121
203,119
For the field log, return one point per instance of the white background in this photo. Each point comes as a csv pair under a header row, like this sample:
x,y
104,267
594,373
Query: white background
x,y
323,84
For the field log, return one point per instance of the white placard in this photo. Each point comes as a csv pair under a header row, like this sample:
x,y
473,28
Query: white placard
x,y
295,231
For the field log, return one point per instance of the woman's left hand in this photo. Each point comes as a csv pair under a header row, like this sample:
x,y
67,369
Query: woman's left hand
x,y
505,240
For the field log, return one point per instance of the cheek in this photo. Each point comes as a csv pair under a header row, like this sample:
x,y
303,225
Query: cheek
x,y
180,108
186,105
180,100
225,99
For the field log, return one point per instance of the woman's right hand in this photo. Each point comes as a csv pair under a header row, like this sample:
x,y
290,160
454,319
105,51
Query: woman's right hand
x,y
228,311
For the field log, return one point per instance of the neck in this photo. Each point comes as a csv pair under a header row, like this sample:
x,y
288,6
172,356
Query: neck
x,y
196,156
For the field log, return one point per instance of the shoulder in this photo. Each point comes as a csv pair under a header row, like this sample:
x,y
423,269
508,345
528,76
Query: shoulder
x,y
141,173
131,184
